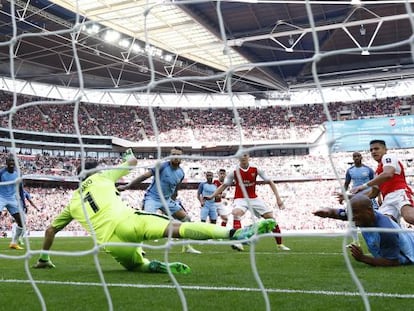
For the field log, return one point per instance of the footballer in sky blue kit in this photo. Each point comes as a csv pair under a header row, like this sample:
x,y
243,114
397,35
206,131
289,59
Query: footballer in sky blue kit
x,y
169,178
359,174
208,206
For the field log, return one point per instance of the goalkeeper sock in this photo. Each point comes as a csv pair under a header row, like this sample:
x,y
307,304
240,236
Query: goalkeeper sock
x,y
202,231
44,257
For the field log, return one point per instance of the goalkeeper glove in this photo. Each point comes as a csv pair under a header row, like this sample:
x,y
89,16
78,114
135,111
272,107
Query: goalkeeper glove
x,y
128,155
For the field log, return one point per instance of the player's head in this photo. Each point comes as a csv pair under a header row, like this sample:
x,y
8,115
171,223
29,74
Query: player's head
x,y
357,158
221,174
378,148
89,165
209,176
10,163
244,159
175,162
362,211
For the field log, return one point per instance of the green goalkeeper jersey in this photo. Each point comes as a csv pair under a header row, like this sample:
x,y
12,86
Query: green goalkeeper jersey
x,y
102,204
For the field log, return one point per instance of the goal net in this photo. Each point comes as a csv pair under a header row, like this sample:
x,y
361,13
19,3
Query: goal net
x,y
175,82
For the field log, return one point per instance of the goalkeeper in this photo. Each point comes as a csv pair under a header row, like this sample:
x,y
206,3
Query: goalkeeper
x,y
98,207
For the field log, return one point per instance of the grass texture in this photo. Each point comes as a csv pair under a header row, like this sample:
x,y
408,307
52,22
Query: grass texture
x,y
312,276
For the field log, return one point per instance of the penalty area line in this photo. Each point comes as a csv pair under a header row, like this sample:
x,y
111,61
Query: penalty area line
x,y
215,288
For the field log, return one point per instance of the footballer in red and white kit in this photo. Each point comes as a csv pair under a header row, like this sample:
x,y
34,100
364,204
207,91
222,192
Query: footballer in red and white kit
x,y
390,181
244,178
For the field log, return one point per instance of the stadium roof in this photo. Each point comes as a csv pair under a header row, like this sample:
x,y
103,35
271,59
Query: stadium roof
x,y
266,46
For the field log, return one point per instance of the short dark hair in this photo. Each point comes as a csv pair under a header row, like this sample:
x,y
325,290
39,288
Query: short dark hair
x,y
88,166
222,170
378,141
10,157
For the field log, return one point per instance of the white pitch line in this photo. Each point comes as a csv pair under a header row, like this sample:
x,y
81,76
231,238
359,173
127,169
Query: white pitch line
x,y
221,288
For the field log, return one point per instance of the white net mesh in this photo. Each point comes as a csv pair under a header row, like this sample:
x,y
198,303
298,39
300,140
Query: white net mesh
x,y
80,113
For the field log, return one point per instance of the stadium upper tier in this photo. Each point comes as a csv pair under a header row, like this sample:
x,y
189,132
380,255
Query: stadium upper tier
x,y
177,125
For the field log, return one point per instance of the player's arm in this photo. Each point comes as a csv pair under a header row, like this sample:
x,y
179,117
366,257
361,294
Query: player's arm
x,y
60,222
387,173
44,259
50,234
174,196
33,204
272,185
227,183
379,198
276,193
347,180
357,253
371,173
335,213
372,192
217,192
200,194
122,169
136,181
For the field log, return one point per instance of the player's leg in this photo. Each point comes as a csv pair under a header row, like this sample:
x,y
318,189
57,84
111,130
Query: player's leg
x,y
179,213
24,233
261,209
13,209
150,227
13,228
151,206
17,232
394,203
223,210
407,212
204,231
212,213
132,257
224,219
203,214
240,208
407,207
174,210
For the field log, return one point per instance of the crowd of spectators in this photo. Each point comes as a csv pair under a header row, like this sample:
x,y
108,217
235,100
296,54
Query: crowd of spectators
x,y
187,125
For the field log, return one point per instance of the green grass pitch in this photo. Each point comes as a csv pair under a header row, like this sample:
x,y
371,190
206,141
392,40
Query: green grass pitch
x,y
312,276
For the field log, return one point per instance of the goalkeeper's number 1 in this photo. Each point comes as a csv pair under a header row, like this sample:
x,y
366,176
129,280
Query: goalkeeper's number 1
x,y
88,198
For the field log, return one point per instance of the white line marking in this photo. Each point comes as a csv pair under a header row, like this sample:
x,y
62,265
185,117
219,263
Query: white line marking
x,y
221,288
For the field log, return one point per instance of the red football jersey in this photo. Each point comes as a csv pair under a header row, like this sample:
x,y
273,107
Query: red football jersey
x,y
218,184
397,181
248,179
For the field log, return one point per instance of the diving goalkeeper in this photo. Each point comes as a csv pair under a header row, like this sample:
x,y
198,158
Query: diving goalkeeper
x,y
98,207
